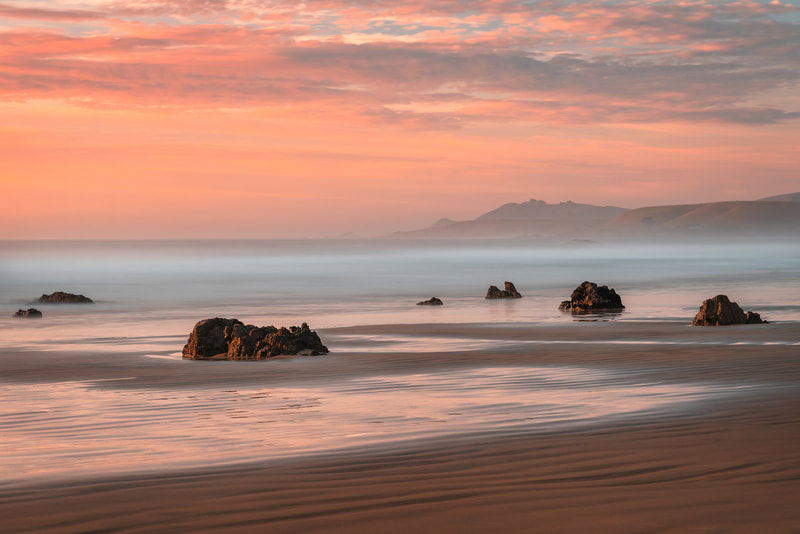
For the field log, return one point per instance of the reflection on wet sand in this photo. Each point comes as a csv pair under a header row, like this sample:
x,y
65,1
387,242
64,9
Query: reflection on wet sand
x,y
96,426
596,316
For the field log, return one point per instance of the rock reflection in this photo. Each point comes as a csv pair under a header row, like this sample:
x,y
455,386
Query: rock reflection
x,y
596,316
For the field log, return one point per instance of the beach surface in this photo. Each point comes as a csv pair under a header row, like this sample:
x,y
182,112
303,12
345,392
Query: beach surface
x,y
601,427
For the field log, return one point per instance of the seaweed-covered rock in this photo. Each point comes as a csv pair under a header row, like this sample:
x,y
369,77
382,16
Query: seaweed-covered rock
x,y
231,339
721,311
589,297
29,313
433,301
510,292
59,297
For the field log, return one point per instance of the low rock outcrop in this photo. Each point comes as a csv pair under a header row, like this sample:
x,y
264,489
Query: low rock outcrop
x,y
589,297
433,301
510,292
30,313
721,311
753,318
231,339
59,297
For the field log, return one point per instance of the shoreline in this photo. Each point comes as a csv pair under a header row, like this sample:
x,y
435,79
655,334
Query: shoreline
x,y
748,352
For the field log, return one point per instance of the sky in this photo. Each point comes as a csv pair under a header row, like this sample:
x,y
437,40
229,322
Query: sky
x,y
274,118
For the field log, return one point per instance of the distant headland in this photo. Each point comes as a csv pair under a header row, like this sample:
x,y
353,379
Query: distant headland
x,y
773,216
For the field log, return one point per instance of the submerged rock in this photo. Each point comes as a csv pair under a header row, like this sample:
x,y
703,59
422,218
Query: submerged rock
x,y
589,297
59,297
721,311
433,301
30,313
510,292
231,339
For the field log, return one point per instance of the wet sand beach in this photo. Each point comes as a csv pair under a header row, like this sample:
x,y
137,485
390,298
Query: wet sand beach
x,y
710,446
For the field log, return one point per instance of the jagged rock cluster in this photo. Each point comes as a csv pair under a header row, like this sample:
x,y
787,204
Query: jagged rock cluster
x,y
720,311
589,297
231,339
29,313
433,301
510,292
59,297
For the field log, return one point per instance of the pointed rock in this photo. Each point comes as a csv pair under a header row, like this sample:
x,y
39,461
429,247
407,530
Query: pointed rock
x,y
510,292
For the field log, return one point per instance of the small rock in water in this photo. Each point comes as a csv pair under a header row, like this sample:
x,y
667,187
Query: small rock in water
x,y
721,311
589,297
30,313
231,339
433,301
59,297
510,292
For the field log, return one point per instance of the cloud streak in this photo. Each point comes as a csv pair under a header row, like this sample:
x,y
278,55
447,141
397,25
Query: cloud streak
x,y
8,11
548,61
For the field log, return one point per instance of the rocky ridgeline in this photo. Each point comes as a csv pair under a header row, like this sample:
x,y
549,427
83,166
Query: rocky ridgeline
x,y
30,313
510,292
59,297
589,297
433,301
231,339
720,311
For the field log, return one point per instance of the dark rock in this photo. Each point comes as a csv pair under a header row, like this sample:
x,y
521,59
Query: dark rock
x,y
231,339
721,311
589,297
510,292
494,292
30,313
59,297
433,301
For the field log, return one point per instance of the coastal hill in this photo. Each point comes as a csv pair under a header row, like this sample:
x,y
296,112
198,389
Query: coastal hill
x,y
776,215
534,218
788,197
539,210
757,217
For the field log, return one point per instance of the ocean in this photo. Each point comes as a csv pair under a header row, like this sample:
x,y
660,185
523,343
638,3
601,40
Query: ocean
x,y
149,294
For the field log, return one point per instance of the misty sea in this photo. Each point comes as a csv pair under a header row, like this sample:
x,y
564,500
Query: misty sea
x,y
149,294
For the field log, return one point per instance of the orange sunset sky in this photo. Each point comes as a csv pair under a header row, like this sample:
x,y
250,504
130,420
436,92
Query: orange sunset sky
x,y
246,118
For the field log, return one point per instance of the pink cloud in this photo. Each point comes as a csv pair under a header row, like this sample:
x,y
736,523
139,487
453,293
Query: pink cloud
x,y
551,61
32,13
